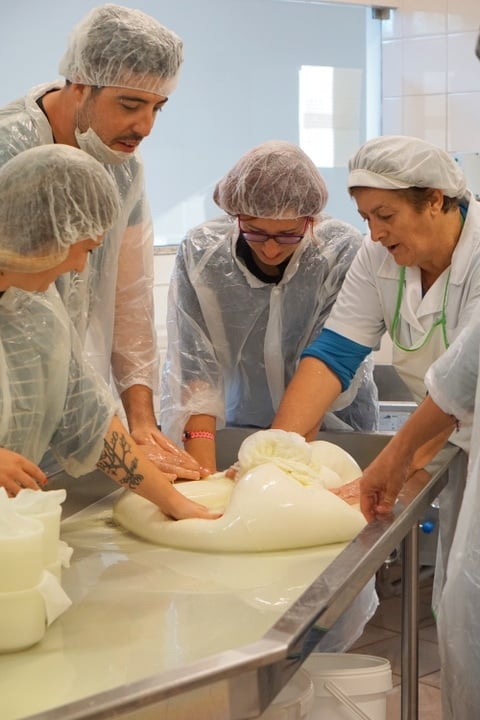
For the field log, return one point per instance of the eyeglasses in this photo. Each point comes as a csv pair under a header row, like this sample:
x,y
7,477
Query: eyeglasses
x,y
281,239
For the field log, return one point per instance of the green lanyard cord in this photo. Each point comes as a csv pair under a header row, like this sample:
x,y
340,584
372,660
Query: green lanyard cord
x,y
442,320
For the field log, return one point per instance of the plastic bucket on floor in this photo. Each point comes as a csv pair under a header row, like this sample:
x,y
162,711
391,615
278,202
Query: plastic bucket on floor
x,y
294,701
349,686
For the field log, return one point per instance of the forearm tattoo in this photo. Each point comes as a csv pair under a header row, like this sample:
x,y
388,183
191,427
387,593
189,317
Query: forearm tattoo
x,y
116,463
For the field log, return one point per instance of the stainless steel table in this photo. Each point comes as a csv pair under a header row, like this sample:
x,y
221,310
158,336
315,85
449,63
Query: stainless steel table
x,y
248,677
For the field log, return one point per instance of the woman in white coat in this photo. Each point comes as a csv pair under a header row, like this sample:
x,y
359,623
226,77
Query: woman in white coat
x,y
417,277
249,292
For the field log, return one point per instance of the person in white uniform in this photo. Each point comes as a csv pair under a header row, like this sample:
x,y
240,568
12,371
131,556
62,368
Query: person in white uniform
x,y
120,66
56,203
416,277
249,291
453,384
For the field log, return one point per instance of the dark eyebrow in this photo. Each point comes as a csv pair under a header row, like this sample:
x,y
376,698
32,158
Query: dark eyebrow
x,y
376,209
134,98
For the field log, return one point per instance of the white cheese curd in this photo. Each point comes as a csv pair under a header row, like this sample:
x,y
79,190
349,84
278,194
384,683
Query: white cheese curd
x,y
279,501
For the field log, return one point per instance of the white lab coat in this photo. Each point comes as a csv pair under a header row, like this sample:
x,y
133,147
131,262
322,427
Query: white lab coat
x,y
365,306
234,341
454,384
111,302
50,396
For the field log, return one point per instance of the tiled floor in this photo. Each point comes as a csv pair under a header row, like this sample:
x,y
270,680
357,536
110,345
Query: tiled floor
x,y
382,638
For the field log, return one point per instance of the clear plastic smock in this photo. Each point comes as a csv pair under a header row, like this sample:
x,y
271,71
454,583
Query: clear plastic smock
x,y
234,341
453,383
49,395
113,297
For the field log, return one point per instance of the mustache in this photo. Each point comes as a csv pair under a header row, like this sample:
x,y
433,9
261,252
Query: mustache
x,y
134,137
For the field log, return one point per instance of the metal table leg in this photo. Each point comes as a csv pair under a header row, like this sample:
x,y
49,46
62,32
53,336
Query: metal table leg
x,y
409,661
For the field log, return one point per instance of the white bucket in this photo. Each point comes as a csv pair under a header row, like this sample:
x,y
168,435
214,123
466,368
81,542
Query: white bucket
x,y
294,701
349,686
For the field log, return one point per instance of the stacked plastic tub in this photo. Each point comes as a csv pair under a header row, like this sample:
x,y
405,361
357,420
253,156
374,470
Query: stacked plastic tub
x,y
31,556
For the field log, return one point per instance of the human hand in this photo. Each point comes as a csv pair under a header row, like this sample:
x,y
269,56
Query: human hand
x,y
167,456
232,472
379,488
349,492
16,472
179,507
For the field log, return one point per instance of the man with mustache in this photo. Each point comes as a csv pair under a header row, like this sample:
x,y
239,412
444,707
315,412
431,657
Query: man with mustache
x,y
120,67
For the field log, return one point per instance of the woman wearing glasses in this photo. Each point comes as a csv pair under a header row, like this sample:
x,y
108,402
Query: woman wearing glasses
x,y
250,290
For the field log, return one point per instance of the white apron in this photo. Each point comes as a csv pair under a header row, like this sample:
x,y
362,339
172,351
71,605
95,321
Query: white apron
x,y
416,318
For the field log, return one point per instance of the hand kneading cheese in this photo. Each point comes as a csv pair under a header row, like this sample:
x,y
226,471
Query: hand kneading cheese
x,y
279,501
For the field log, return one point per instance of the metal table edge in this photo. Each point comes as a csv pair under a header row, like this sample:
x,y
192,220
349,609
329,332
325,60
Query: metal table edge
x,y
263,668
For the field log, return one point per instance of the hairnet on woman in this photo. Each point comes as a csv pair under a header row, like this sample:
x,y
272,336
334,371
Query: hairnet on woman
x,y
275,180
249,291
49,201
56,203
399,162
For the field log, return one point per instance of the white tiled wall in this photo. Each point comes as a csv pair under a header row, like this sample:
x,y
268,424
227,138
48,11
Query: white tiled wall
x,y
431,79
431,76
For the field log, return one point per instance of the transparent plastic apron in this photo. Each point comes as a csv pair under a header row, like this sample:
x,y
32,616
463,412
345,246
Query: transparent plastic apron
x,y
412,364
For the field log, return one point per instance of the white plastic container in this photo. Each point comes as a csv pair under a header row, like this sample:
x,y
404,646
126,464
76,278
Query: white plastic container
x,y
21,555
45,507
22,619
348,686
294,701
51,523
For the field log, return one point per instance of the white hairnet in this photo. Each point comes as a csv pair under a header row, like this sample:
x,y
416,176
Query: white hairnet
x,y
116,46
274,180
51,197
395,162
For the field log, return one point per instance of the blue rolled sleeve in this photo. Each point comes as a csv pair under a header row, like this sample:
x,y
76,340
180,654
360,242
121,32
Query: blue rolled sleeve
x,y
341,355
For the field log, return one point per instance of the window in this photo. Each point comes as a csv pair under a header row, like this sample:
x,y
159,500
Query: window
x,y
329,113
